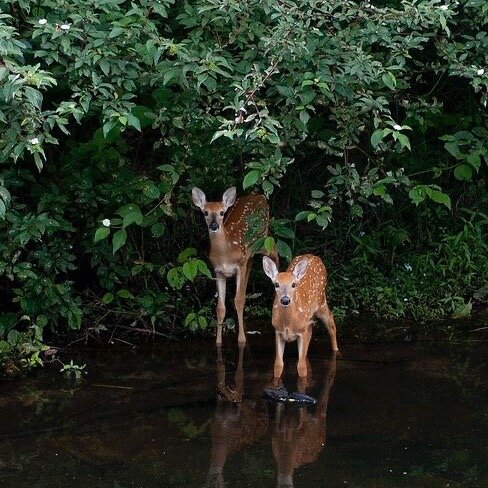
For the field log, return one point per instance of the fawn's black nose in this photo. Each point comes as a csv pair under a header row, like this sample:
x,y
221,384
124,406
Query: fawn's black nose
x,y
285,301
213,225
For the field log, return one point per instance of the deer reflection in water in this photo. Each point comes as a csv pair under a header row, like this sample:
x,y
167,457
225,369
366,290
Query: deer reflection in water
x,y
298,432
237,422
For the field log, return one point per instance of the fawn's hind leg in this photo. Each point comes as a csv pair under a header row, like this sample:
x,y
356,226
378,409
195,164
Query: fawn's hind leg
x,y
325,315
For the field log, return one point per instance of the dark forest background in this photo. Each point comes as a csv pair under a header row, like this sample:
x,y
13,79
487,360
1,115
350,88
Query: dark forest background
x,y
364,123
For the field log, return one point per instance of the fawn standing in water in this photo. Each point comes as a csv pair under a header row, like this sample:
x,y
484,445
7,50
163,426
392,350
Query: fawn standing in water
x,y
300,296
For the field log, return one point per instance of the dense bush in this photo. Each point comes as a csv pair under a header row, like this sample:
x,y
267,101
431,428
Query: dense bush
x,y
364,123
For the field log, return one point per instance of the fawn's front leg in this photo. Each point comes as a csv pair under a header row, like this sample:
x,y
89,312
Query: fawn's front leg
x,y
303,343
221,285
280,349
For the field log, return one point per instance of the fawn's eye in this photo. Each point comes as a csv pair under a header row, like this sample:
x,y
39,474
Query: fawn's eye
x,y
205,213
293,285
277,285
221,213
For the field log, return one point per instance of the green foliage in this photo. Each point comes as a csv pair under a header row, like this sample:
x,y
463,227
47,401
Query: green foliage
x,y
21,347
73,370
344,114
426,284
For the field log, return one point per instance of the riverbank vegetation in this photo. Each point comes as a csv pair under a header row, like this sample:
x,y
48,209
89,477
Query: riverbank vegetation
x,y
364,123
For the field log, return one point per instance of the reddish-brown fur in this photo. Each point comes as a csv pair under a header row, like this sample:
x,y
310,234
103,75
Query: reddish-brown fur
x,y
304,284
230,252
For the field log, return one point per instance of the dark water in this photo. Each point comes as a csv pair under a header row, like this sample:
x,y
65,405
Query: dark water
x,y
391,415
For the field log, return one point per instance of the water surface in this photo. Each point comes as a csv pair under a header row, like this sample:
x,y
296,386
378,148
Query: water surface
x,y
388,415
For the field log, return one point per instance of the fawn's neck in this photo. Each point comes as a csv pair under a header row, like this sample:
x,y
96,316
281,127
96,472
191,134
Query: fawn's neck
x,y
285,315
222,241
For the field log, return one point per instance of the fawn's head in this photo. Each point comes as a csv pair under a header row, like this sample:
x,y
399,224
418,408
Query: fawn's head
x,y
214,211
286,282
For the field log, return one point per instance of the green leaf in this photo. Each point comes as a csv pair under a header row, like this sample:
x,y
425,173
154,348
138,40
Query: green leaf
x,y
41,321
403,140
453,148
190,318
190,269
302,215
133,121
439,197
304,117
376,137
257,246
267,187
251,178
13,336
203,268
34,96
379,190
202,322
317,194
273,138
186,253
284,250
38,161
134,216
157,229
2,209
463,172
269,244
107,298
119,239
4,194
442,20
417,194
150,190
108,126
175,279
7,321
389,80
322,220
283,231
127,209
115,32
287,91
101,233
124,294
105,66
473,159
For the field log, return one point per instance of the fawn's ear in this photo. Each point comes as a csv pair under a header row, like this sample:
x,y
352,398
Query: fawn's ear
x,y
229,197
270,267
198,198
300,268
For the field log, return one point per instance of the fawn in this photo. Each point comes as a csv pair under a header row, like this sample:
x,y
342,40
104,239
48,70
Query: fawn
x,y
300,295
233,226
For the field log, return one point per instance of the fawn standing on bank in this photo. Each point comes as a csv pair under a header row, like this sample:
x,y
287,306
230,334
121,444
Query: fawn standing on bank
x,y
233,226
300,296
